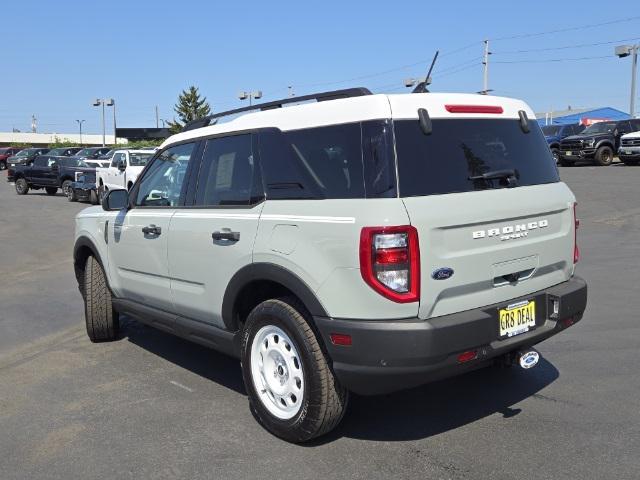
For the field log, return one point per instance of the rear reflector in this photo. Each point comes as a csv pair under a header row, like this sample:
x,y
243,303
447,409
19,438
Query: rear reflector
x,y
340,339
496,109
576,223
467,356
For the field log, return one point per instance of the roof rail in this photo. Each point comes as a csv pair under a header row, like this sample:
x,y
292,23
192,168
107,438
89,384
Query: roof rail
x,y
320,97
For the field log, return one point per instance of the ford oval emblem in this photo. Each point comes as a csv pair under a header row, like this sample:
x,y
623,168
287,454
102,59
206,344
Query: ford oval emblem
x,y
442,273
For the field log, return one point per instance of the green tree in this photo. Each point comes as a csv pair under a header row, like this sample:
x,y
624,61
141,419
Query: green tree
x,y
190,107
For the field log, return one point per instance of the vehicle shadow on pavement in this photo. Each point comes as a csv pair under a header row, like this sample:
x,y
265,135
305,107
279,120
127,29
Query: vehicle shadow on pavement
x,y
442,406
200,360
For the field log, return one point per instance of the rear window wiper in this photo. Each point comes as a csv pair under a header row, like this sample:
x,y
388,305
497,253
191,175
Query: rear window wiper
x,y
508,174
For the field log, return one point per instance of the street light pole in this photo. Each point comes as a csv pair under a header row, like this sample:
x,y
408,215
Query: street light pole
x,y
80,122
624,51
250,95
104,132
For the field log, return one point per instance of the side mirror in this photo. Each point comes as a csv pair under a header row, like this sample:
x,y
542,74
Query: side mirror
x,y
122,165
115,200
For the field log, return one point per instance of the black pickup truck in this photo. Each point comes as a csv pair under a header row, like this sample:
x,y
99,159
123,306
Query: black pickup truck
x,y
48,172
598,142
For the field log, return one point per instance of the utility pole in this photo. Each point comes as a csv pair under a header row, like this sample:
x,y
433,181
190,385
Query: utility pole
x,y
34,124
485,68
80,122
157,118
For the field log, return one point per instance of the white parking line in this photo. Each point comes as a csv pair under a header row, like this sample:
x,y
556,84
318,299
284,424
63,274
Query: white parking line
x,y
173,382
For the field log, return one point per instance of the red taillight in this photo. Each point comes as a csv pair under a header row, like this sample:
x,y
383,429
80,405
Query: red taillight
x,y
340,339
390,261
474,109
576,223
467,356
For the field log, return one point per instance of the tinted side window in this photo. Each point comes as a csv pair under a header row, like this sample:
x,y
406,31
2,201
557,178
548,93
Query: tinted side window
x,y
161,185
228,174
332,156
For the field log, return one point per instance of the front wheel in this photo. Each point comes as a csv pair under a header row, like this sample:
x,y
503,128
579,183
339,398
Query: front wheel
x,y
93,197
556,154
291,387
3,165
22,187
101,319
66,187
604,156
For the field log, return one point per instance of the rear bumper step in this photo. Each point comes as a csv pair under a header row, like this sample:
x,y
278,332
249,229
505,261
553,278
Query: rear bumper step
x,y
392,355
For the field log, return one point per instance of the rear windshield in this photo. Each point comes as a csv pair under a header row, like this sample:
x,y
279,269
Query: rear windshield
x,y
139,159
456,150
551,129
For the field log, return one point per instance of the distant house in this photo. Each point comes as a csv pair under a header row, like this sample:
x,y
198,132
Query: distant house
x,y
585,116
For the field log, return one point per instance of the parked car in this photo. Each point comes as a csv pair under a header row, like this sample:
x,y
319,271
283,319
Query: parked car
x,y
553,134
93,156
598,142
64,151
50,173
25,156
5,153
629,151
123,170
330,248
83,189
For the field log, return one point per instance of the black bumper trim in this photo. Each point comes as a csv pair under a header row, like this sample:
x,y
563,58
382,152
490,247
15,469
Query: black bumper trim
x,y
389,355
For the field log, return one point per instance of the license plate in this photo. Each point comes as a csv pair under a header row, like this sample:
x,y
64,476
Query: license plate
x,y
568,153
627,152
517,318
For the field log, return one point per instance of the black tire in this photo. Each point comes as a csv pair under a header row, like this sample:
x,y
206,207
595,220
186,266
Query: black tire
x,y
66,186
604,156
51,190
324,400
22,187
101,319
556,154
71,195
93,197
3,165
566,163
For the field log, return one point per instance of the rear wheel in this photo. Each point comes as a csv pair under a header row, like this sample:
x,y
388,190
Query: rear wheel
x,y
51,190
101,319
22,187
604,156
291,387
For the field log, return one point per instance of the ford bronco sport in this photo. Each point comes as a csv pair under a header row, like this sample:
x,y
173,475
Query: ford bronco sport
x,y
359,243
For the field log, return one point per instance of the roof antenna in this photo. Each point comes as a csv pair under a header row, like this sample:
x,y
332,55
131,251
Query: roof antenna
x,y
422,86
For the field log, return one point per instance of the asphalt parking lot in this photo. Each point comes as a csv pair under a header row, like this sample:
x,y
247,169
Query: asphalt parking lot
x,y
156,407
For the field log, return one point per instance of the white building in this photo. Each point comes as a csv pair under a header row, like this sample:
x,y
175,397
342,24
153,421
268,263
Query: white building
x,y
44,139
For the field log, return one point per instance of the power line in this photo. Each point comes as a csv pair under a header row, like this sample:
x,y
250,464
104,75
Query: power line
x,y
458,71
566,46
549,60
568,29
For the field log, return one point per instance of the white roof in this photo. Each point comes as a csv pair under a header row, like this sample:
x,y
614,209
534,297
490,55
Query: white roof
x,y
358,109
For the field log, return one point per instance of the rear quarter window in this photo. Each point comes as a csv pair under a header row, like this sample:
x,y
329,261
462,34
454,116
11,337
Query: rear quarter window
x,y
443,161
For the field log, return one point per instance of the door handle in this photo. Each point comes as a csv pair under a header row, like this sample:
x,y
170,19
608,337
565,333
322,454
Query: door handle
x,y
226,235
151,230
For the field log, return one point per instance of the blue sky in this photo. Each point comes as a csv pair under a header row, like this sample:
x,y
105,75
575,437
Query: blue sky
x,y
59,55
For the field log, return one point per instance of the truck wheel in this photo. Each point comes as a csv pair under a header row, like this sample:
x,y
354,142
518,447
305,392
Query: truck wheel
x,y
22,187
93,197
51,190
566,163
3,165
556,154
71,195
66,187
101,319
604,156
291,387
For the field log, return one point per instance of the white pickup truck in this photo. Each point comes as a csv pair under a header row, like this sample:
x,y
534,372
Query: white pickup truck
x,y
123,170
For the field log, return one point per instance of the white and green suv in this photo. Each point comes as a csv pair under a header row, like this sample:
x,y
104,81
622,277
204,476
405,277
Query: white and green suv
x,y
345,243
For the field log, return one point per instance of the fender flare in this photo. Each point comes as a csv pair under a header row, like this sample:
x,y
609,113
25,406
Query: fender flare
x,y
81,243
606,143
270,272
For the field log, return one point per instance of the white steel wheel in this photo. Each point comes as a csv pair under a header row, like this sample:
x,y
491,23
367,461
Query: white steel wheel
x,y
277,372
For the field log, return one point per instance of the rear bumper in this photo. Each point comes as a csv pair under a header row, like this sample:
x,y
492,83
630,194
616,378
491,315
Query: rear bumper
x,y
392,355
